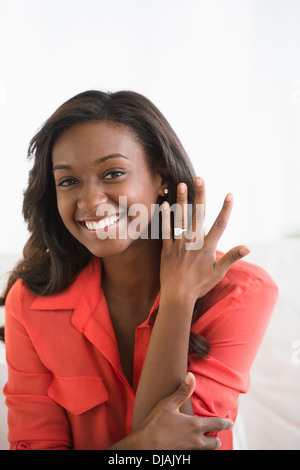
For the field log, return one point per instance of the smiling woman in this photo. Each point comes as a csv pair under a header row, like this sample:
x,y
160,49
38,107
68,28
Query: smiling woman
x,y
50,239
125,342
84,181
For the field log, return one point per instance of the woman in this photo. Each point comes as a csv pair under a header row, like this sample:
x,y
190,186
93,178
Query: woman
x,y
104,320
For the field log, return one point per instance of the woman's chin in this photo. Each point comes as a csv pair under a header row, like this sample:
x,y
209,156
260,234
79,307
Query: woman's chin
x,y
106,248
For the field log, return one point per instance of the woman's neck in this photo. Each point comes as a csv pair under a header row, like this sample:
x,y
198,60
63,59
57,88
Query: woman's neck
x,y
133,276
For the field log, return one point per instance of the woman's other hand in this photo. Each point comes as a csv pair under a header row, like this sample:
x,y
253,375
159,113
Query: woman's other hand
x,y
166,428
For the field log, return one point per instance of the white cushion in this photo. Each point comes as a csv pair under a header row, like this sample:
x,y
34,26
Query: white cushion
x,y
271,408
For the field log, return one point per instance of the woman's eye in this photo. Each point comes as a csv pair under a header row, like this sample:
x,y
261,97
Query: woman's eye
x,y
71,181
67,182
113,174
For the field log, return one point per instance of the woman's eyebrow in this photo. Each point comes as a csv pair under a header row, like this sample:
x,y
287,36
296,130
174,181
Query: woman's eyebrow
x,y
97,161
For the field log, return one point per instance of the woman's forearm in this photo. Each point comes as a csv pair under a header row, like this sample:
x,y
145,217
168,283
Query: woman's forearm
x,y
166,361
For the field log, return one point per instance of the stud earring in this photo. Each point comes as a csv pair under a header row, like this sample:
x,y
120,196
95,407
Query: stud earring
x,y
166,191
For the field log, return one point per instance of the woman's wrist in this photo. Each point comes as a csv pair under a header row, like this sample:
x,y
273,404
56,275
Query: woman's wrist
x,y
176,303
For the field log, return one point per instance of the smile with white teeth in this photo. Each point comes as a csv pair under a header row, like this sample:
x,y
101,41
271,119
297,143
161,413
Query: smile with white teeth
x,y
106,222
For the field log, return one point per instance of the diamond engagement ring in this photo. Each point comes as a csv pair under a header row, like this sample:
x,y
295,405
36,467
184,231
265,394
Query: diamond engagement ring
x,y
179,231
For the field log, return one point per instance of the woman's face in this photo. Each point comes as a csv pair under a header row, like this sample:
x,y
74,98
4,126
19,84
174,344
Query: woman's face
x,y
95,163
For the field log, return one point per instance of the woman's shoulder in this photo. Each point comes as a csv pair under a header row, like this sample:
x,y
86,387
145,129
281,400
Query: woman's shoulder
x,y
243,279
21,298
244,274
18,297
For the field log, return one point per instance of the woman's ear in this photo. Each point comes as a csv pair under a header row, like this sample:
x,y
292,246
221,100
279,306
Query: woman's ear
x,y
163,181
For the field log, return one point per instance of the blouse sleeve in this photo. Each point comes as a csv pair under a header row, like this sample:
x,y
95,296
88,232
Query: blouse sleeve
x,y
234,323
34,420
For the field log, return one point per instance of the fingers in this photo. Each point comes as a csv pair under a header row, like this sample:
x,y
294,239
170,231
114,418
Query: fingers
x,y
233,255
215,424
212,425
210,443
196,228
180,218
196,428
183,392
220,223
198,214
166,226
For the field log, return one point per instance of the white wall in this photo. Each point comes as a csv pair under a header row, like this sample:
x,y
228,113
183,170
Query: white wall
x,y
226,74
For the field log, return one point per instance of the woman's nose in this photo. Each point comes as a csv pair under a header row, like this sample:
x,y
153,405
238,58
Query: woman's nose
x,y
91,196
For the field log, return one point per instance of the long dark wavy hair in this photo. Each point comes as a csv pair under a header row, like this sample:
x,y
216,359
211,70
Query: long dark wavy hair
x,y
52,257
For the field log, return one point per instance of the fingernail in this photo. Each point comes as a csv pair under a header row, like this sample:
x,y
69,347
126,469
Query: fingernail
x,y
165,205
244,251
198,181
188,378
229,197
181,188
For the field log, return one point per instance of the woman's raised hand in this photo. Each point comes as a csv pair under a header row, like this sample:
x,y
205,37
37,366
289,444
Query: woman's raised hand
x,y
188,263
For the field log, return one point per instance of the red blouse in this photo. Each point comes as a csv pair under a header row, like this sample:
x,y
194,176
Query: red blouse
x,y
66,388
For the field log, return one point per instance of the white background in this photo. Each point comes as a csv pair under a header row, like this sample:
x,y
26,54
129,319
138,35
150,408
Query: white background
x,y
225,73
